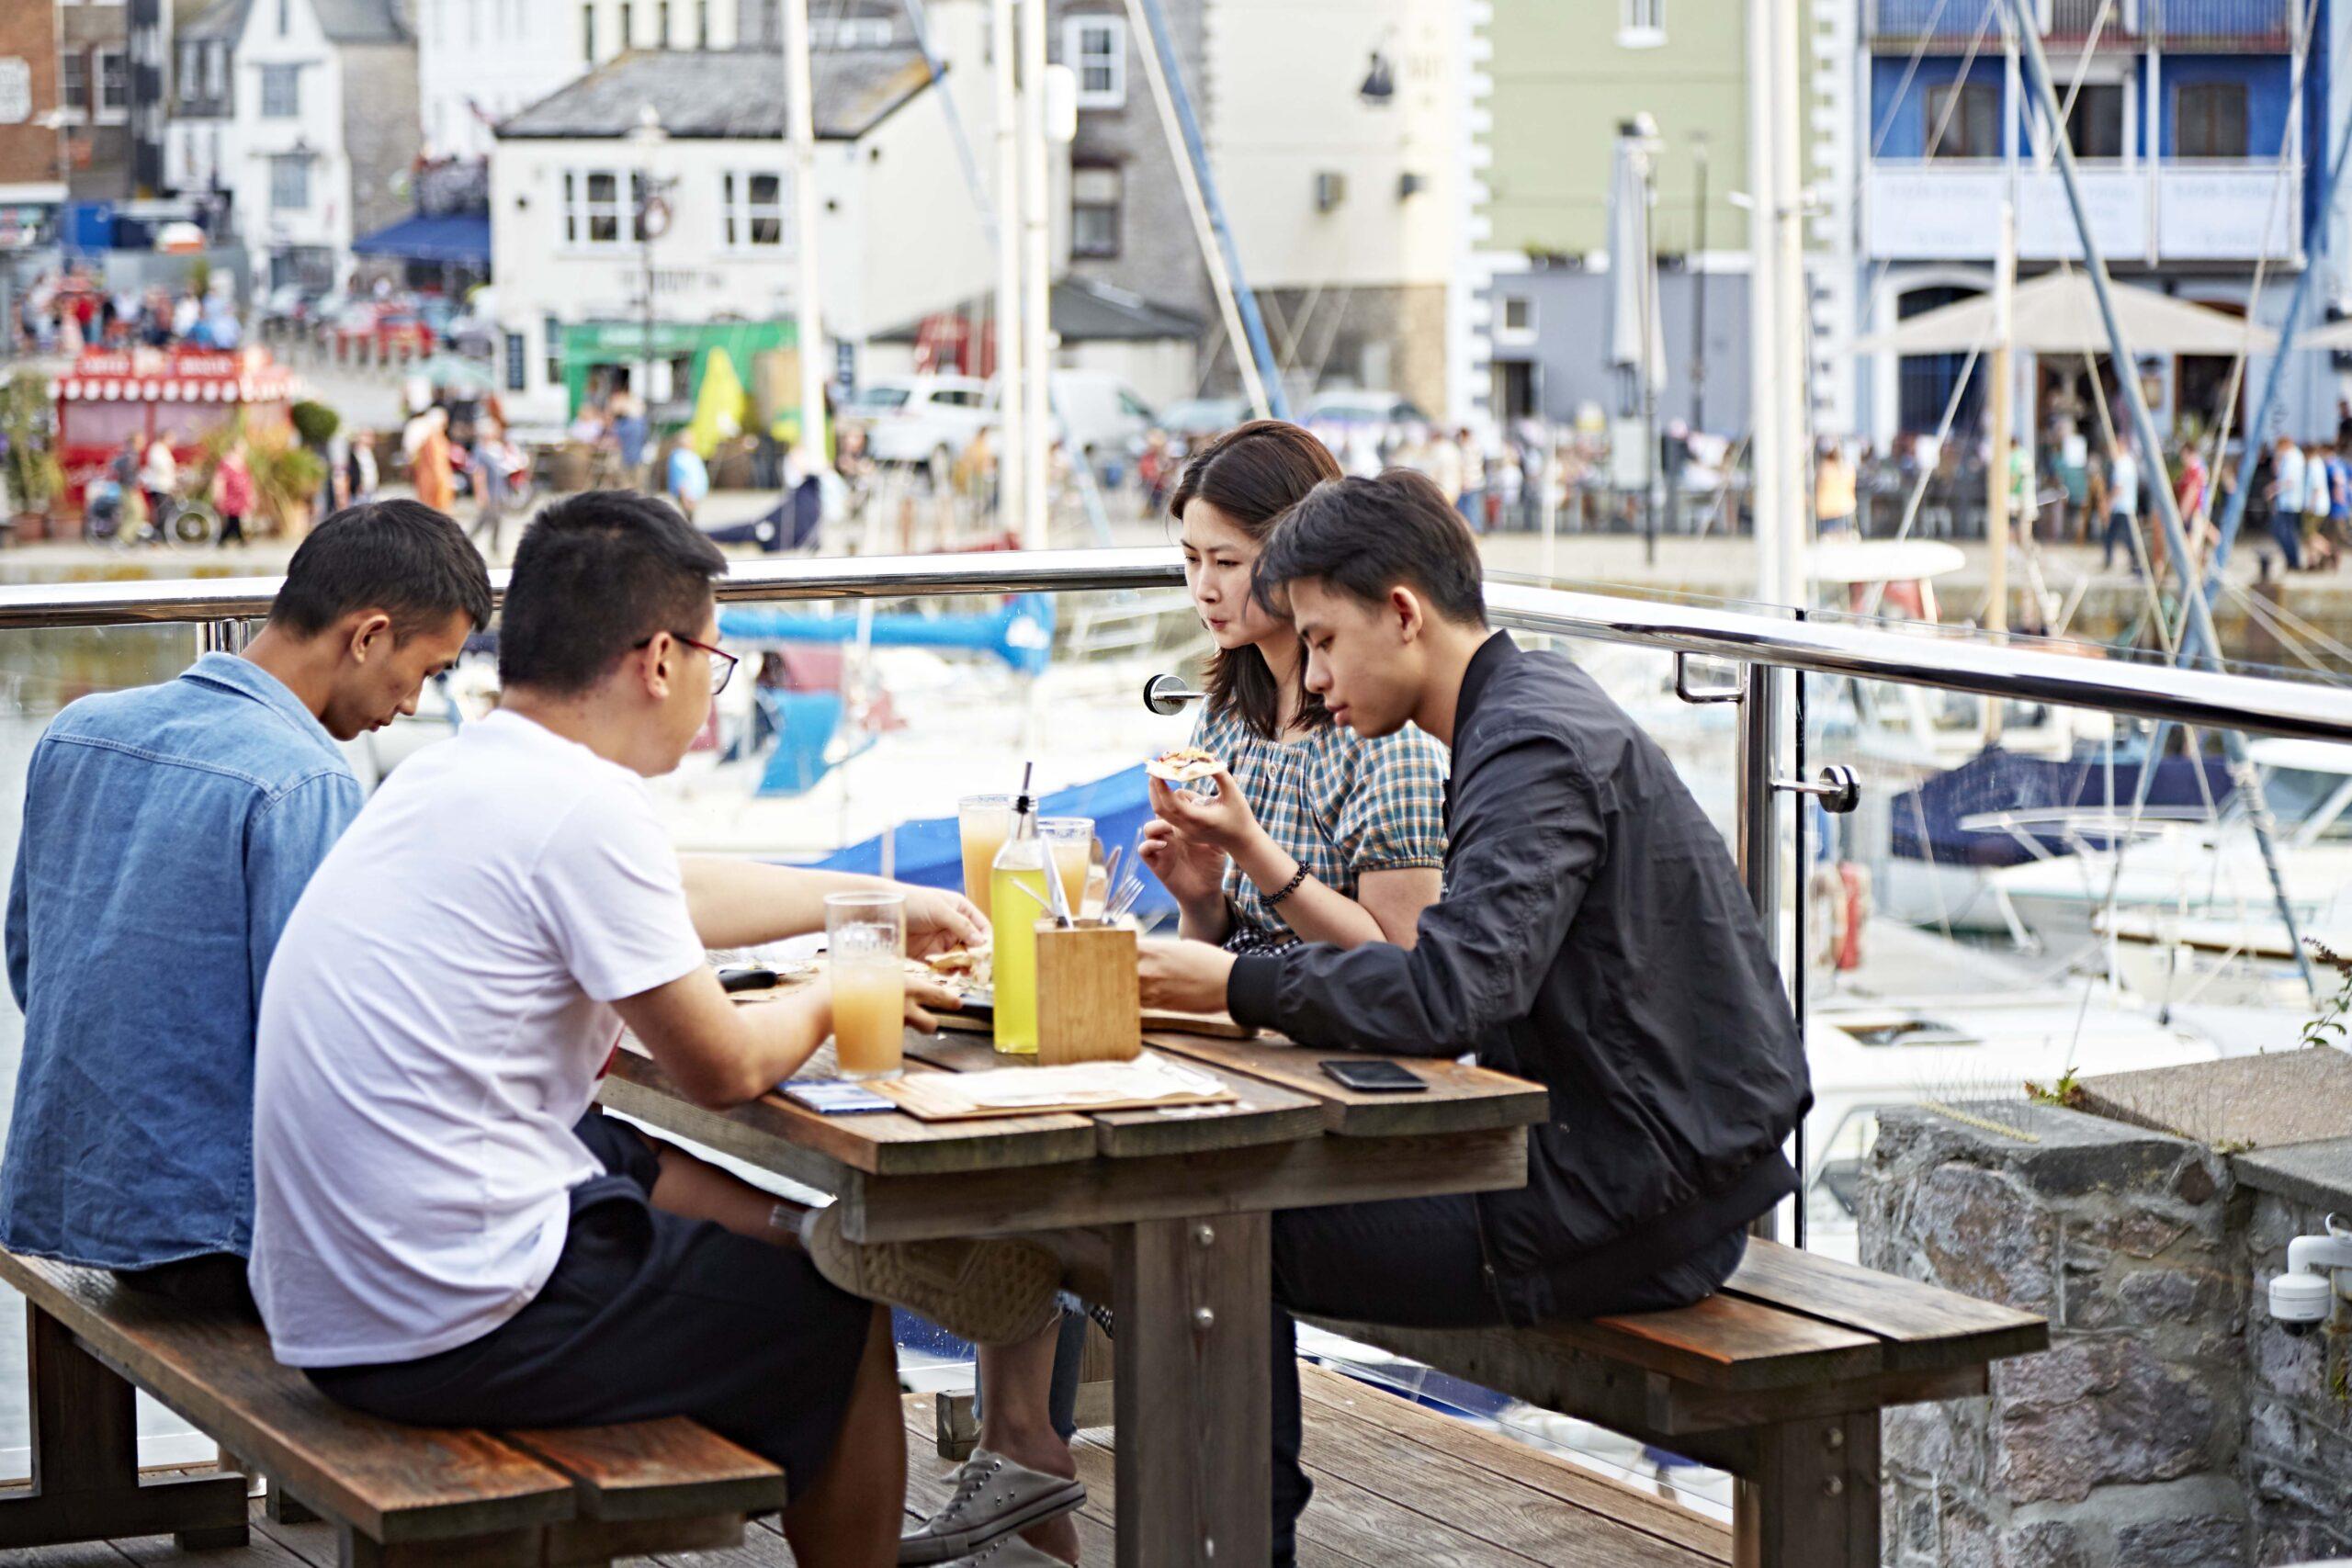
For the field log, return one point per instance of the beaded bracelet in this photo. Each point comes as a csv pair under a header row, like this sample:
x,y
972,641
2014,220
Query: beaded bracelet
x,y
1270,899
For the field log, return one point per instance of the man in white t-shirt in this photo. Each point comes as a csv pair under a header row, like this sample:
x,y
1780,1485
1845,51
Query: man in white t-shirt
x,y
445,1231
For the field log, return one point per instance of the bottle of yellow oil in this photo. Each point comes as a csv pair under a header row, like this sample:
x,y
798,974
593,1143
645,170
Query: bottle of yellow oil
x,y
1020,870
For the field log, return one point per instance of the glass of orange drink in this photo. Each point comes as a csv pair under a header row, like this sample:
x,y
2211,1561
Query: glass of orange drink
x,y
865,945
982,821
1071,840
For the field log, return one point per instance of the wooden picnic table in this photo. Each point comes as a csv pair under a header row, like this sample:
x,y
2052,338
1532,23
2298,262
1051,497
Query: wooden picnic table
x,y
1168,1208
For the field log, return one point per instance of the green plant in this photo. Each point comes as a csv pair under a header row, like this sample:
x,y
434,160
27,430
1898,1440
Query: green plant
x,y
199,277
35,479
2066,1093
315,423
2327,1027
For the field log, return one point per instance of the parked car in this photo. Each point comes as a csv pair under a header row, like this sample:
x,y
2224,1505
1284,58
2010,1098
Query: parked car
x,y
1098,413
919,419
1196,418
387,329
1355,406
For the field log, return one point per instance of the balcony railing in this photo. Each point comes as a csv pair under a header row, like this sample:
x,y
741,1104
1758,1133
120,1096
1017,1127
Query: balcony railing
x,y
2171,211
2227,26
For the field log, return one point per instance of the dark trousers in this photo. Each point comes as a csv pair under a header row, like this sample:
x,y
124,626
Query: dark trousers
x,y
2286,532
2120,526
207,1280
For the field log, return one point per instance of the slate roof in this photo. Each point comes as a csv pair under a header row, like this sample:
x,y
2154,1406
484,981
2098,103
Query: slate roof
x,y
724,95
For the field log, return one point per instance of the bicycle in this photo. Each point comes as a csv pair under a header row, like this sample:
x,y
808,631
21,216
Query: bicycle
x,y
184,522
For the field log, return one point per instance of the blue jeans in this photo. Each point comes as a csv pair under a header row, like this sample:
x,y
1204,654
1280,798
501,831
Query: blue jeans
x,y
2120,526
2286,532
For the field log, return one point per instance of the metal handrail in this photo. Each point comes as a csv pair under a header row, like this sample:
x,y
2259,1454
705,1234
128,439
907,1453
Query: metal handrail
x,y
2245,703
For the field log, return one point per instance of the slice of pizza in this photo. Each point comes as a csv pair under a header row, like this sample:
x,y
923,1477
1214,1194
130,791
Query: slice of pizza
x,y
1185,764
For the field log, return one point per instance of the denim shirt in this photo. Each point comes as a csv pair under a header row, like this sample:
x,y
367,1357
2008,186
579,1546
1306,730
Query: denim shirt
x,y
168,831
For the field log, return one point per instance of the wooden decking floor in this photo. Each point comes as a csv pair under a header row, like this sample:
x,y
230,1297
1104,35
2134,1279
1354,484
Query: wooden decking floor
x,y
1395,1484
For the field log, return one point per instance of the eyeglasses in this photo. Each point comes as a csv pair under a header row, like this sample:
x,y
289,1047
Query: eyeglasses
x,y
722,664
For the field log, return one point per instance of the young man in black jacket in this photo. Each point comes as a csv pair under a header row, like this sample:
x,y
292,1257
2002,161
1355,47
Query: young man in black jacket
x,y
1594,936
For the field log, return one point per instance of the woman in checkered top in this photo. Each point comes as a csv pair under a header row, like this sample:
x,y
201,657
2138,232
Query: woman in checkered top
x,y
1313,833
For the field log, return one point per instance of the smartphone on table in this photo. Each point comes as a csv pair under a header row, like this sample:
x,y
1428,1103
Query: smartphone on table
x,y
1372,1076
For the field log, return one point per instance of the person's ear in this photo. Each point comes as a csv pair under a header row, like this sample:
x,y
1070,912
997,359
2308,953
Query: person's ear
x,y
370,634
659,667
1404,608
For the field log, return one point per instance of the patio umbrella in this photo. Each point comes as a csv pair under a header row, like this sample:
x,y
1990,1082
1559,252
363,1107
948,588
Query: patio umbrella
x,y
1636,338
2058,313
2335,335
456,374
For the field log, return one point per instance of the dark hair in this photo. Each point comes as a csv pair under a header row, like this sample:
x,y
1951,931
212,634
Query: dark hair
x,y
1365,536
594,576
400,556
1253,473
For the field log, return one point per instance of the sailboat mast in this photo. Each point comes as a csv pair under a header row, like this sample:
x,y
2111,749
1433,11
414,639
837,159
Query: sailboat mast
x,y
800,144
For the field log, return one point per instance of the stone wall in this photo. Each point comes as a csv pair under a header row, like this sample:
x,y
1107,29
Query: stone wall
x,y
2123,1446
2297,1460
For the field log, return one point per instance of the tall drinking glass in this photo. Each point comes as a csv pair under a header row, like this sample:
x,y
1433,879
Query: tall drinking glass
x,y
1071,840
982,820
865,945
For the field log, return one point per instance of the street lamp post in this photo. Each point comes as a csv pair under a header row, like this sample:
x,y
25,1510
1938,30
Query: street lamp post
x,y
652,218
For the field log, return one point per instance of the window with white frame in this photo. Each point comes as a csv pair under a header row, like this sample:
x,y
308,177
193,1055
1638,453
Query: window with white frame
x,y
285,17
114,84
598,209
752,208
852,32
186,87
290,182
588,34
216,69
1095,48
73,82
281,92
1519,315
1096,192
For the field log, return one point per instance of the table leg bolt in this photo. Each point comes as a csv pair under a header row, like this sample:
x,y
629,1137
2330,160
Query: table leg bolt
x,y
1203,1319
1834,1487
1205,1235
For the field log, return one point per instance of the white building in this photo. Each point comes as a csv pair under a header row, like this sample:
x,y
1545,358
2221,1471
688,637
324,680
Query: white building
x,y
1339,132
899,233
302,113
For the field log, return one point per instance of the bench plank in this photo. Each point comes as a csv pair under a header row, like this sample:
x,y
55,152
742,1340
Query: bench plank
x,y
1729,1343
663,1469
215,1368
1926,1328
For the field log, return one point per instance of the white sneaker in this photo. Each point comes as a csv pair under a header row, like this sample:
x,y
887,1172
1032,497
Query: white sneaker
x,y
994,1499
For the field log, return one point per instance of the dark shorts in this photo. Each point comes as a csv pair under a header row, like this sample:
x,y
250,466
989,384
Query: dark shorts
x,y
647,1314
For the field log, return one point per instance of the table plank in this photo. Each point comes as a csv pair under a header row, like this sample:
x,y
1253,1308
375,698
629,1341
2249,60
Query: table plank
x,y
769,1129
1926,1329
1303,1174
1263,1113
1460,1098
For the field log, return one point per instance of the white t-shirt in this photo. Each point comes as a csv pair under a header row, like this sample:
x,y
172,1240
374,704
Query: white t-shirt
x,y
434,1022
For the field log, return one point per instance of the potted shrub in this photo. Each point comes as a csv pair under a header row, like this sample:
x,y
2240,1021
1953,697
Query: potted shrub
x,y
35,479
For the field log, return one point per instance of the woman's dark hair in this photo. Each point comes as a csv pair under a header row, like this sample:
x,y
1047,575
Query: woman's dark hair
x,y
1254,473
1365,536
595,576
400,556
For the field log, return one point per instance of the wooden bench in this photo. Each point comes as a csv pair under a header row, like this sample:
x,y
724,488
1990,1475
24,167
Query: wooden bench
x,y
396,1495
1778,1378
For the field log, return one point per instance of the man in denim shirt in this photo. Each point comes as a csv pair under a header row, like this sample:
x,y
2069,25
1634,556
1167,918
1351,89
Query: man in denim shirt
x,y
168,831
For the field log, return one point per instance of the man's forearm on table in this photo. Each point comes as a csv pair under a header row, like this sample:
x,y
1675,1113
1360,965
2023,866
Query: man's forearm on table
x,y
742,903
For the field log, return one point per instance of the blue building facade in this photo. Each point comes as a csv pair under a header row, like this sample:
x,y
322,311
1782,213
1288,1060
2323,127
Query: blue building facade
x,y
2201,128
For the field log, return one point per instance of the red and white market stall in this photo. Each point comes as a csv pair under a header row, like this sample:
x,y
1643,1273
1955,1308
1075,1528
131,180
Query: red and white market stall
x,y
184,394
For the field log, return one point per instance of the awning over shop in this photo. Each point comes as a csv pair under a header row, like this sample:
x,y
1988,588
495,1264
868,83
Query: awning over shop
x,y
462,237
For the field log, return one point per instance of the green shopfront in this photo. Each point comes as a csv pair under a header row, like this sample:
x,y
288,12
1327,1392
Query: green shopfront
x,y
597,358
